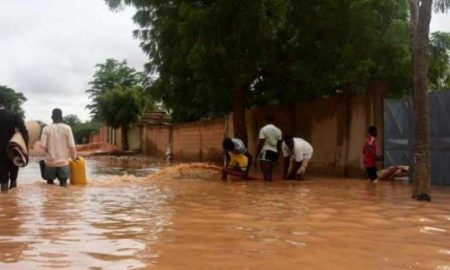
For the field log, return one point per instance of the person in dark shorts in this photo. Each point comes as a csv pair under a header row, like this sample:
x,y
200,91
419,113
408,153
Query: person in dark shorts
x,y
370,154
9,122
269,147
59,144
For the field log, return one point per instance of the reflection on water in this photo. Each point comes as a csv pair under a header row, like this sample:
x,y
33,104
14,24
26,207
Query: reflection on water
x,y
210,224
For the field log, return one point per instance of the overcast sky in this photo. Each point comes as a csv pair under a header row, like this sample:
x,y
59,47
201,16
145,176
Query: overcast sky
x,y
49,48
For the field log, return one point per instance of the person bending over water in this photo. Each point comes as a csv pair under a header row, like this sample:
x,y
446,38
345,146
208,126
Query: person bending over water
x,y
237,158
297,154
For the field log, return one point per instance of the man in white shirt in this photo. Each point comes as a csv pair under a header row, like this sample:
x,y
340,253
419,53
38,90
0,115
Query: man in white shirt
x,y
59,145
297,154
268,147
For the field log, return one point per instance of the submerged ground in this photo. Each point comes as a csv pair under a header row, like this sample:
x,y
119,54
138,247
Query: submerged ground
x,y
184,222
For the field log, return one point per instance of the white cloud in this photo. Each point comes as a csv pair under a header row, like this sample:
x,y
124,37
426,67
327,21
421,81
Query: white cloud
x,y
440,22
49,50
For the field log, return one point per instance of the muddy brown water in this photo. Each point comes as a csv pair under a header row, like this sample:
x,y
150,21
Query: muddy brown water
x,y
132,222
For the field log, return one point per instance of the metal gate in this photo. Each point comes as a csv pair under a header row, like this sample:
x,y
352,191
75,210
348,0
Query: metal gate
x,y
398,134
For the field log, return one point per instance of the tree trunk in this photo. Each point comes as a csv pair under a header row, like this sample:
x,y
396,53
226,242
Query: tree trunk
x,y
420,28
239,121
125,138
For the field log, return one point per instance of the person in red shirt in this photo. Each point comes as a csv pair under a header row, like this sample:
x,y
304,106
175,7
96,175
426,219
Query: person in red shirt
x,y
370,154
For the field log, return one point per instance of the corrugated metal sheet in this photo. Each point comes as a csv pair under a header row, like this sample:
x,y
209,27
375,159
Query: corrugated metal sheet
x,y
398,134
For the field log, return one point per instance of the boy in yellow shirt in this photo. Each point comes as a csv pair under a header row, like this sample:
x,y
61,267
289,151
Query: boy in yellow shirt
x,y
237,158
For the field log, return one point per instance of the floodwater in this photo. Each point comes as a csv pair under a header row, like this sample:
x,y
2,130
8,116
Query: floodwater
x,y
184,222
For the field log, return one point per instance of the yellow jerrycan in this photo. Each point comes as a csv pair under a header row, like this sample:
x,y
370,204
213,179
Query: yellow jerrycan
x,y
77,171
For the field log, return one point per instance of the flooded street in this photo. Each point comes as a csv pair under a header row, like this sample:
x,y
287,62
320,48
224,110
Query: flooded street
x,y
134,222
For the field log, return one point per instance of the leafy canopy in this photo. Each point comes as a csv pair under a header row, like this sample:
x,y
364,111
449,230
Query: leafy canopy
x,y
13,100
119,107
108,76
439,69
278,50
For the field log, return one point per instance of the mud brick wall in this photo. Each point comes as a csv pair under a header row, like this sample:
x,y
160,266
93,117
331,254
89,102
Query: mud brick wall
x,y
100,135
336,127
157,139
198,141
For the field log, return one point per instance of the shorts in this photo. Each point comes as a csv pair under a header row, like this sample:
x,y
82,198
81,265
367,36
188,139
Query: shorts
x,y
268,156
240,161
57,172
372,173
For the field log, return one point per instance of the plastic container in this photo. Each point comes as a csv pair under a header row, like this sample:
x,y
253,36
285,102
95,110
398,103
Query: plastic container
x,y
77,171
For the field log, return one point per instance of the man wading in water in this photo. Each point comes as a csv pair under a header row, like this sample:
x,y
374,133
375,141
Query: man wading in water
x,y
59,145
269,147
9,122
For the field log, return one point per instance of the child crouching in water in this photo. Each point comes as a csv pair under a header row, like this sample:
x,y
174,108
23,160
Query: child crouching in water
x,y
237,159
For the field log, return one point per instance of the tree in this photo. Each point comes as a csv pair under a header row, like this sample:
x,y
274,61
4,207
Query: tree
x,y
119,108
72,120
210,51
83,130
118,96
107,77
214,57
420,13
13,99
80,129
439,70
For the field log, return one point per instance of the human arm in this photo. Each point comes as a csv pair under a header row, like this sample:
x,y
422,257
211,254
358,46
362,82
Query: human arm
x,y
71,144
226,162
287,161
279,143
303,166
258,149
44,139
295,167
20,125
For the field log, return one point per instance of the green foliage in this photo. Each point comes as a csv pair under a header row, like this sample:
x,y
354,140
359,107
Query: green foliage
x,y
439,69
71,120
278,50
80,130
335,44
83,130
13,100
119,107
111,75
202,49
